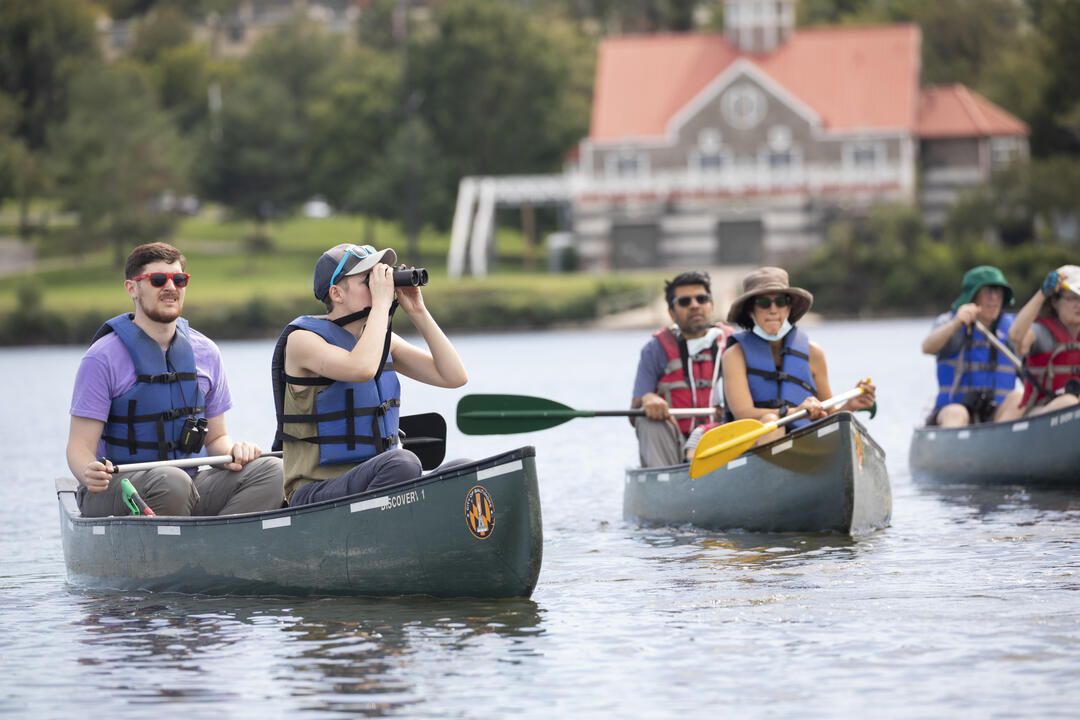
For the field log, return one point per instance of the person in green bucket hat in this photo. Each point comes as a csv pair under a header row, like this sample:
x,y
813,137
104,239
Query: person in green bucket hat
x,y
976,381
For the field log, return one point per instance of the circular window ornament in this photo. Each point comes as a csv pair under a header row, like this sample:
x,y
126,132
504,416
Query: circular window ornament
x,y
743,106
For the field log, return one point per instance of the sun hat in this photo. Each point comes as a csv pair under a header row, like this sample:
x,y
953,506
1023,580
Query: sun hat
x,y
763,281
979,277
1070,274
344,260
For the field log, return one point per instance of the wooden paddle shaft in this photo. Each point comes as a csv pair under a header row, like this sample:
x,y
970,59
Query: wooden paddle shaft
x,y
182,463
993,338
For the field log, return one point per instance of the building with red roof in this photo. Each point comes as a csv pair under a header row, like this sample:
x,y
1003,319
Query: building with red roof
x,y
738,148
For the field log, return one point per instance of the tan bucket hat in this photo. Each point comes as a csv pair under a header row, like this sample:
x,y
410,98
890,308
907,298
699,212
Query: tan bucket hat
x,y
764,281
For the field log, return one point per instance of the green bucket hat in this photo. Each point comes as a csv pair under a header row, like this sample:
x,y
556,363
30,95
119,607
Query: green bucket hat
x,y
981,276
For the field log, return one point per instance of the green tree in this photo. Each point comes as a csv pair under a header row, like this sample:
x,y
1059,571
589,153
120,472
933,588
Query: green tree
x,y
114,157
1056,127
498,91
258,165
158,31
42,45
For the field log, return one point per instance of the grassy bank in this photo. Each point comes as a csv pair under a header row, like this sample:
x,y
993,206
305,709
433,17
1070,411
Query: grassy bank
x,y
242,289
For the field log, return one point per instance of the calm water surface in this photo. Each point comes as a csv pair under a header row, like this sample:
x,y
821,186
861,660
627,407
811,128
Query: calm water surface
x,y
967,606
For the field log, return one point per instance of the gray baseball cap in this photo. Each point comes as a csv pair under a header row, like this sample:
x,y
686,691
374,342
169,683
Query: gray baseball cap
x,y
344,260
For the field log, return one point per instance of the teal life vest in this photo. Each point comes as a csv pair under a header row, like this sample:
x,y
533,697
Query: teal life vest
x,y
977,367
144,423
355,420
772,388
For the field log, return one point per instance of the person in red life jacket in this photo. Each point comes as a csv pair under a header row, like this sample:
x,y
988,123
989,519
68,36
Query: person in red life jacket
x,y
335,377
678,368
1047,332
771,367
152,388
976,382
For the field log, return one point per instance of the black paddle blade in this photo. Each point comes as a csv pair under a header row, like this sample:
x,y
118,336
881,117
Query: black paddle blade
x,y
507,414
425,435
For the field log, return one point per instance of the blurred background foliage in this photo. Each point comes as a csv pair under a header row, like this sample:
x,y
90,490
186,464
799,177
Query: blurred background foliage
x,y
98,148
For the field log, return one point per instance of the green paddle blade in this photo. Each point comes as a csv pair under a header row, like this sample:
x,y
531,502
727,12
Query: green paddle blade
x,y
507,414
723,444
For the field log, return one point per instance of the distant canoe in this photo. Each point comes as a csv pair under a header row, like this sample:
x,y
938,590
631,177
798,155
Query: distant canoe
x,y
469,531
1040,450
829,476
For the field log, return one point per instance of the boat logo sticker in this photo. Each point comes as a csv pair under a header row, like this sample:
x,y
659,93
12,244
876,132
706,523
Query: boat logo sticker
x,y
479,512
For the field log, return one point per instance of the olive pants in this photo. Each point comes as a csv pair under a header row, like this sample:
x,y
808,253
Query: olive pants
x,y
258,486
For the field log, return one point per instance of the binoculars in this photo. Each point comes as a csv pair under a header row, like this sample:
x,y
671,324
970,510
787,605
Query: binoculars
x,y
410,277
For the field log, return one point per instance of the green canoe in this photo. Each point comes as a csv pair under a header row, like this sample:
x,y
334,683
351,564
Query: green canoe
x,y
828,476
469,531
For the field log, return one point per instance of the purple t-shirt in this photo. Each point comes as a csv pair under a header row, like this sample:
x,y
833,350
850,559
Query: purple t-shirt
x,y
107,371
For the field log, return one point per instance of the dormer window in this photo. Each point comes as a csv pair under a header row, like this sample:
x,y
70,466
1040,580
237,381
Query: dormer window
x,y
708,156
626,163
779,153
864,156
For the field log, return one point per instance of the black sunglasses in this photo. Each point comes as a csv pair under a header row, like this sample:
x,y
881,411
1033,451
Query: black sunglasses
x,y
159,279
764,302
685,300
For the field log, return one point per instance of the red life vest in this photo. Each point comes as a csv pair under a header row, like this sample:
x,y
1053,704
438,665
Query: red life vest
x,y
1053,369
674,385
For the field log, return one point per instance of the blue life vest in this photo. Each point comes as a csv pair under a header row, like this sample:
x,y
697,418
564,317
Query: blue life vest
x,y
984,368
355,420
144,422
777,389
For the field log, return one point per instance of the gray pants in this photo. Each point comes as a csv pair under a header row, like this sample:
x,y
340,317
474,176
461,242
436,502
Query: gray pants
x,y
258,486
660,442
392,467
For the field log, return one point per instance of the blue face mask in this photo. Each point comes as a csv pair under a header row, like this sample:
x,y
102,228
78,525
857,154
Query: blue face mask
x,y
784,330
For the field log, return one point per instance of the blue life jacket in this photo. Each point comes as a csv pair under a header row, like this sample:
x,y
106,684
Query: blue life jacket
x,y
355,420
144,423
984,369
777,389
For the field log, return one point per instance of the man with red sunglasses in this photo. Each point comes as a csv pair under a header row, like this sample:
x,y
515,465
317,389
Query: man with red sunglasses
x,y
151,388
678,368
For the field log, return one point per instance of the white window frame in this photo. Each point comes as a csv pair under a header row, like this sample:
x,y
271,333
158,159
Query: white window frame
x,y
617,162
855,147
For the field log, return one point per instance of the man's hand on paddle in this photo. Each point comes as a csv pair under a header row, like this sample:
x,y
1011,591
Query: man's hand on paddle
x,y
96,476
656,407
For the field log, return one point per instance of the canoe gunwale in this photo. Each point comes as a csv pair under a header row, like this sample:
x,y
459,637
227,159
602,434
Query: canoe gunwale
x,y
74,515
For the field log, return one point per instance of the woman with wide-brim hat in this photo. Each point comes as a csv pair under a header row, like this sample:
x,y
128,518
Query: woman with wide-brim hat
x,y
1047,331
771,367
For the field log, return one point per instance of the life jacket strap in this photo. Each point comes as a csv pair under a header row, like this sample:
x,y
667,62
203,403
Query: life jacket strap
x,y
166,378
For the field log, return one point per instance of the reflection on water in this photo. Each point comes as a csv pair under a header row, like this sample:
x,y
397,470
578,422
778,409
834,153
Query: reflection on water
x,y
1046,504
341,654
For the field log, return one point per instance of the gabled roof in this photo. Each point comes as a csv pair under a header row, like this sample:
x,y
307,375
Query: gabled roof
x,y
854,78
957,111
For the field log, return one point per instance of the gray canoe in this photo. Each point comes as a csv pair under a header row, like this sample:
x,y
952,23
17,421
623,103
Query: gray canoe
x,y
829,476
1040,450
470,531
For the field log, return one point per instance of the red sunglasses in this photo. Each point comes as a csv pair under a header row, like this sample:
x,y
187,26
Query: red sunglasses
x,y
158,279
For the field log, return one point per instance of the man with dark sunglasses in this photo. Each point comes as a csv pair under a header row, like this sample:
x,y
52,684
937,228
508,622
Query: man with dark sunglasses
x,y
678,368
335,377
151,388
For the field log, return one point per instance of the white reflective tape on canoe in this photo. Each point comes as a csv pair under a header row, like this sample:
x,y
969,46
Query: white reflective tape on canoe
x,y
375,504
931,435
963,435
782,447
1067,417
276,523
168,530
1053,422
663,477
737,462
498,470
1020,427
828,429
99,529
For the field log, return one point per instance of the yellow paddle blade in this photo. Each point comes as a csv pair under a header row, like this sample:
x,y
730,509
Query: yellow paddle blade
x,y
723,444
